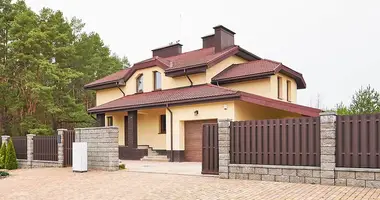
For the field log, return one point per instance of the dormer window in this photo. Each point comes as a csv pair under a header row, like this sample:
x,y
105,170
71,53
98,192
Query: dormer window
x,y
157,80
140,83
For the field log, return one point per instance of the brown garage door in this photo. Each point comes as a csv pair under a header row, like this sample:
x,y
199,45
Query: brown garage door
x,y
193,139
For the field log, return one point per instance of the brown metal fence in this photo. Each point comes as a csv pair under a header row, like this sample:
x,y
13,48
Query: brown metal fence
x,y
69,138
276,142
210,149
358,141
20,143
45,148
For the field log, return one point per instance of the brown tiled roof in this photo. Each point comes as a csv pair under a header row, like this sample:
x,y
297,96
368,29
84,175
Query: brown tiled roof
x,y
195,94
257,69
163,97
201,57
112,78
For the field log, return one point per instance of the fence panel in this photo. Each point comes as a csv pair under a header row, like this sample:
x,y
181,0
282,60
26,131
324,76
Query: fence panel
x,y
68,139
45,148
276,142
358,141
20,143
210,149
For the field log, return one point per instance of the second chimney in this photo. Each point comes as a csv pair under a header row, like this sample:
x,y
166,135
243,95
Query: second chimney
x,y
223,38
168,51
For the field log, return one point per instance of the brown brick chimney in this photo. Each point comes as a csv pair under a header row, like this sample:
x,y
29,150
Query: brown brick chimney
x,y
221,39
167,51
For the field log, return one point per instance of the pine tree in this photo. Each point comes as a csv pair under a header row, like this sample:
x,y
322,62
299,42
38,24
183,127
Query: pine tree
x,y
3,153
11,160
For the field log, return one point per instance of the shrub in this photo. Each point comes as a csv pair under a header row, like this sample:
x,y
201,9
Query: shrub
x,y
11,160
3,153
121,166
2,173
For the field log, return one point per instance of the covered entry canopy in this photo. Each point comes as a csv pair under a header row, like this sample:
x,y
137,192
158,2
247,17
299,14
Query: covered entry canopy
x,y
197,94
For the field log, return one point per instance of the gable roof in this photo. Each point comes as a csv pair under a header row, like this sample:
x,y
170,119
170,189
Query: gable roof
x,y
110,79
193,61
257,69
196,94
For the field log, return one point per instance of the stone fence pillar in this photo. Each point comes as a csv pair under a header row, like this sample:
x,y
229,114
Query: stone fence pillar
x,y
4,139
29,149
224,147
60,146
328,135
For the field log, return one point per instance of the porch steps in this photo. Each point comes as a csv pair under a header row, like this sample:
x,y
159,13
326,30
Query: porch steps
x,y
151,152
155,158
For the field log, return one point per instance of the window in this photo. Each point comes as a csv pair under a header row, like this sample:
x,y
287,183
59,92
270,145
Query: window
x,y
140,84
279,87
157,80
288,91
109,121
162,124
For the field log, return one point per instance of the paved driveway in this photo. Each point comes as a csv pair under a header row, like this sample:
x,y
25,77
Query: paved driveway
x,y
63,184
179,168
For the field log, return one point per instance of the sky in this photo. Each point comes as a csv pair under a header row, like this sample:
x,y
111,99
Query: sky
x,y
333,43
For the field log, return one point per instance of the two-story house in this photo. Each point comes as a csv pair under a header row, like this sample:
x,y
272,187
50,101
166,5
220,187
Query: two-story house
x,y
163,101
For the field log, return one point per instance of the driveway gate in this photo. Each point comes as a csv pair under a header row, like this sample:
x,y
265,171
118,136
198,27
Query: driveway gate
x,y
210,149
69,138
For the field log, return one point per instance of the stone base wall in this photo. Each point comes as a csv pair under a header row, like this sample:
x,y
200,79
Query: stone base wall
x,y
23,163
102,147
278,173
45,163
358,177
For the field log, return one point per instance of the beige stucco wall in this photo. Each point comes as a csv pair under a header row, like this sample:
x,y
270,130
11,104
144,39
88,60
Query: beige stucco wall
x,y
118,121
148,129
260,87
107,95
216,69
248,111
213,110
273,80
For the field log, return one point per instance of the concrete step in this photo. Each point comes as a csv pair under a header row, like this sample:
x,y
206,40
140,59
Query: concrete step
x,y
155,158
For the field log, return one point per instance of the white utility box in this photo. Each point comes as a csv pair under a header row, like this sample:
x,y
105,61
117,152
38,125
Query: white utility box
x,y
79,156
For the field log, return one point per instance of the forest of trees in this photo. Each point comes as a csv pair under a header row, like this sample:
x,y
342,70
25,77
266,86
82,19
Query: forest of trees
x,y
45,60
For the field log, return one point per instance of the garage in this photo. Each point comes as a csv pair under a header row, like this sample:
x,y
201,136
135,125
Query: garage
x,y
193,139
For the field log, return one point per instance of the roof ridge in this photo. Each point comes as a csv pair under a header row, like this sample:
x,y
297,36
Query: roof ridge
x,y
190,52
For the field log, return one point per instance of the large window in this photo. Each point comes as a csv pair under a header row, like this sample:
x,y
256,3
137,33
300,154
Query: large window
x,y
288,91
157,80
140,83
279,87
162,124
109,121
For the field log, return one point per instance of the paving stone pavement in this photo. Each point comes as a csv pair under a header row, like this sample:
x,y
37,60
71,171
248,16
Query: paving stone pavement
x,y
61,183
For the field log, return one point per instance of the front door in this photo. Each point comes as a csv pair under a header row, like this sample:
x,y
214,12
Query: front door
x,y
125,130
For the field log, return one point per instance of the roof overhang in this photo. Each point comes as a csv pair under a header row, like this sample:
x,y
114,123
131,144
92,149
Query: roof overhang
x,y
242,78
165,104
105,85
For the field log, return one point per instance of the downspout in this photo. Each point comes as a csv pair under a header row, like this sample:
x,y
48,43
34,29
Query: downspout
x,y
191,82
117,84
171,134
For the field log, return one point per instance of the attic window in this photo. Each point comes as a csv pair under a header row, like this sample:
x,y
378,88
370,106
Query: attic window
x,y
157,80
279,87
288,91
140,83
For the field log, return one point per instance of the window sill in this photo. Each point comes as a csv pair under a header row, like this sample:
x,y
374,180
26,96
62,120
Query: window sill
x,y
157,89
162,133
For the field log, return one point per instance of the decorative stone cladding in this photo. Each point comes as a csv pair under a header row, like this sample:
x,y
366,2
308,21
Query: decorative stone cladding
x,y
102,147
326,174
278,173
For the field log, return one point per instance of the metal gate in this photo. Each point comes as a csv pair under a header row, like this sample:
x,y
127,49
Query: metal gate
x,y
210,149
69,138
